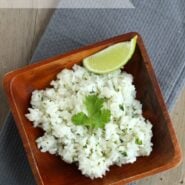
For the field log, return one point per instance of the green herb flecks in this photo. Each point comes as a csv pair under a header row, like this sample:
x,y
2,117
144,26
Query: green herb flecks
x,y
121,107
124,154
138,141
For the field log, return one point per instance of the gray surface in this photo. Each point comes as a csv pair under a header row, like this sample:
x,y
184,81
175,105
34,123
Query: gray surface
x,y
162,28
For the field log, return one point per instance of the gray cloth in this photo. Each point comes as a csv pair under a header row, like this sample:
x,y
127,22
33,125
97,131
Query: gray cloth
x,y
162,28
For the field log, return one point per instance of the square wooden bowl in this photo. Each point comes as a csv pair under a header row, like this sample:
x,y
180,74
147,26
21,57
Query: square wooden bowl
x,y
51,170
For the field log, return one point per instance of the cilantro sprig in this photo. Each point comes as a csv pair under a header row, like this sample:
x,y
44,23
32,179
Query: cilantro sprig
x,y
97,116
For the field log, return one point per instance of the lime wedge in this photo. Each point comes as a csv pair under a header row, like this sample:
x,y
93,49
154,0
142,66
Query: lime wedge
x,y
111,58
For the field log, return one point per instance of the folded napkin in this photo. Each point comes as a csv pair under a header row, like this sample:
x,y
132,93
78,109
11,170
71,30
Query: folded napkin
x,y
162,28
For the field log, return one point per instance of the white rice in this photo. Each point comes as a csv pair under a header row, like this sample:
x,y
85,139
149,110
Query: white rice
x,y
125,137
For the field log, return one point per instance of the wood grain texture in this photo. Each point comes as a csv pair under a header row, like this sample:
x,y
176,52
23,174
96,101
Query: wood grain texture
x,y
20,30
174,176
17,44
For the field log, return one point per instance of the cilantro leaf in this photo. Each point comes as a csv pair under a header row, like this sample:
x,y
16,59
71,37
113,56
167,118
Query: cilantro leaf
x,y
93,104
97,116
79,119
104,117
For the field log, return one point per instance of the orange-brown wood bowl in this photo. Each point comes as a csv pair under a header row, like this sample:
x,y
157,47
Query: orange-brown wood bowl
x,y
51,170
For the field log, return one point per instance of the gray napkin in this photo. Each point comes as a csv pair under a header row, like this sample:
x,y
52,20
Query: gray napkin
x,y
162,28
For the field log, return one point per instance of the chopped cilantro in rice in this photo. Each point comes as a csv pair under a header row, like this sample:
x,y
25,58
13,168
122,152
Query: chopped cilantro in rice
x,y
119,139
